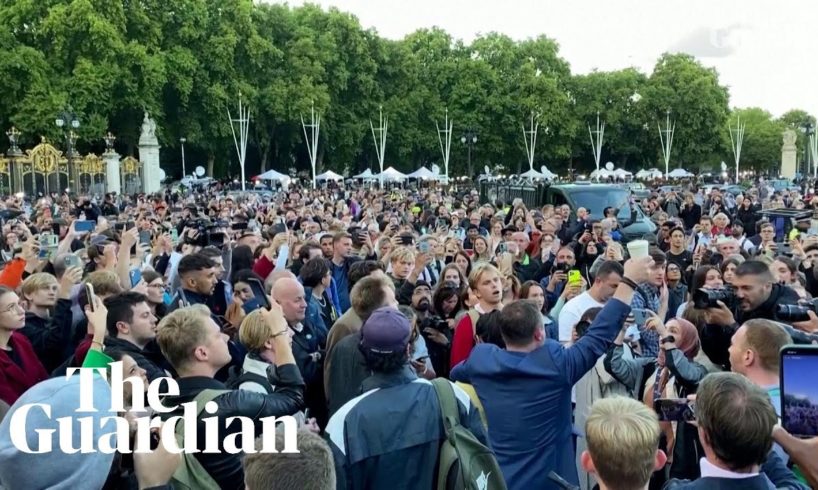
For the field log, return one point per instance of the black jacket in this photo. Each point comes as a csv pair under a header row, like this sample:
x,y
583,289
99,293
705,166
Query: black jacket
x,y
715,339
144,359
51,337
226,468
690,215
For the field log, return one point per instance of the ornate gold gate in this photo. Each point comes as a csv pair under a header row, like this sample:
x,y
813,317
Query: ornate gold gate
x,y
6,181
90,174
43,169
131,175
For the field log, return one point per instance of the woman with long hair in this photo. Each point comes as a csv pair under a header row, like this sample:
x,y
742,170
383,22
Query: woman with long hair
x,y
20,368
533,291
481,250
463,262
706,276
451,273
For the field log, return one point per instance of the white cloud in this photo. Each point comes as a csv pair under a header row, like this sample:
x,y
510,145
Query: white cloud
x,y
761,49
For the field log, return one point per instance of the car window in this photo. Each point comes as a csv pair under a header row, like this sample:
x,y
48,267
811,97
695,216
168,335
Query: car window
x,y
595,200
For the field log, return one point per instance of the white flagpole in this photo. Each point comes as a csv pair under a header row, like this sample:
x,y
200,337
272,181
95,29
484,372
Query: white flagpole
x,y
530,139
241,142
380,146
596,142
813,143
311,139
737,141
445,147
666,139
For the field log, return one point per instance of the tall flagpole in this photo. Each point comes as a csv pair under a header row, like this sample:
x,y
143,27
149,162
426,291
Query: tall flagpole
x,y
447,145
597,138
380,140
666,139
311,139
241,142
737,140
530,138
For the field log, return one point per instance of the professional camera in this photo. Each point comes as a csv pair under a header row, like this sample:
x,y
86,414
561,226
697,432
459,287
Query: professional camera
x,y
707,298
434,322
796,313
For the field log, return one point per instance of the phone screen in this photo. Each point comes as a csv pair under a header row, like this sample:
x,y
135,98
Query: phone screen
x,y
675,409
258,292
136,276
799,391
84,226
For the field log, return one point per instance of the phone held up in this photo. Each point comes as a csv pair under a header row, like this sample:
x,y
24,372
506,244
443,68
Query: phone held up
x,y
675,409
798,390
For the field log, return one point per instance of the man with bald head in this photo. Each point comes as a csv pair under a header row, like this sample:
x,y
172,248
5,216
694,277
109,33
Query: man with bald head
x,y
526,268
308,344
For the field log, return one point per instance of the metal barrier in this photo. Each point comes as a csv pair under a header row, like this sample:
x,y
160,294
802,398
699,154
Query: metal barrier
x,y
533,195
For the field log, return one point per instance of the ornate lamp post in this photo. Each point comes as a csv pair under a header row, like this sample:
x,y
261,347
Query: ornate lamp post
x,y
12,153
469,139
68,120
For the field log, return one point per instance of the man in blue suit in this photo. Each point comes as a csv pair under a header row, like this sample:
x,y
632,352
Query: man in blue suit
x,y
526,388
736,420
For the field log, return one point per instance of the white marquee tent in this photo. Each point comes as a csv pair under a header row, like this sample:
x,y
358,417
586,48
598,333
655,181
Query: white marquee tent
x,y
328,175
423,173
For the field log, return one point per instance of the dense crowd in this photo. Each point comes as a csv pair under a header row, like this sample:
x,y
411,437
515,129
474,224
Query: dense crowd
x,y
342,307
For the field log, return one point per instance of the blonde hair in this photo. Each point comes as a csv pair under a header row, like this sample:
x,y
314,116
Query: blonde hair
x,y
254,331
402,254
35,282
477,272
105,283
181,332
622,436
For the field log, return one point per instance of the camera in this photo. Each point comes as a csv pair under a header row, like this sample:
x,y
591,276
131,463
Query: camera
x,y
796,313
564,268
436,323
708,298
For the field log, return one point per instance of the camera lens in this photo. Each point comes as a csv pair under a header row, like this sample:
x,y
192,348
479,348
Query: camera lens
x,y
792,313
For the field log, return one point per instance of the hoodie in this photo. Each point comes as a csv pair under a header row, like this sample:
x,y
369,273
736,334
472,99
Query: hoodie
x,y
51,337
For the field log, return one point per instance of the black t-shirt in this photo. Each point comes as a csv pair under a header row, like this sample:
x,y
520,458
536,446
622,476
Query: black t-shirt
x,y
683,260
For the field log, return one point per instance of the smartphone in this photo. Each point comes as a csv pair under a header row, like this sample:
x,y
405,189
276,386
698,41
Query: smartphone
x,y
641,316
174,235
574,278
89,293
136,276
407,240
145,237
84,226
675,409
72,260
423,247
799,392
258,292
239,225
502,248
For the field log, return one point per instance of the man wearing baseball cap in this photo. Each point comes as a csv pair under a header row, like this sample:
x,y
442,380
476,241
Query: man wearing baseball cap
x,y
392,433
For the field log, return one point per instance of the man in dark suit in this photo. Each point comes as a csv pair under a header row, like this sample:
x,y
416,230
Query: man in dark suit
x,y
736,420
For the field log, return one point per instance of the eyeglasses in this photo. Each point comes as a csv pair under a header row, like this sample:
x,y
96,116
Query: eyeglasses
x,y
12,307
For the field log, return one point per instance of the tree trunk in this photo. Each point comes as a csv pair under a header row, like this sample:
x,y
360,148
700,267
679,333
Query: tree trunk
x,y
211,161
265,153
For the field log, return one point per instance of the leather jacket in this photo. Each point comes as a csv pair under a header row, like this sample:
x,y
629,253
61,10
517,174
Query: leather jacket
x,y
225,468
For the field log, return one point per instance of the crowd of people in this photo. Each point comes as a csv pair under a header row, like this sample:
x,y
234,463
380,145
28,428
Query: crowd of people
x,y
341,307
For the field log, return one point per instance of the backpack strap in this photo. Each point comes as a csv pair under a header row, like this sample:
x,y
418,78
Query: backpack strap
x,y
448,406
201,400
474,316
247,376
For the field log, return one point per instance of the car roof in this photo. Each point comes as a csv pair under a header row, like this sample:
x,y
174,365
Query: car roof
x,y
574,187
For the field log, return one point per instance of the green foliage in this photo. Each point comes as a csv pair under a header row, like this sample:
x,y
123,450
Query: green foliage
x,y
186,61
761,149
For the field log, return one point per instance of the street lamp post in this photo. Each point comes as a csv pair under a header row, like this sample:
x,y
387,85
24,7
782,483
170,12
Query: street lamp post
x,y
182,140
808,131
469,139
67,121
12,153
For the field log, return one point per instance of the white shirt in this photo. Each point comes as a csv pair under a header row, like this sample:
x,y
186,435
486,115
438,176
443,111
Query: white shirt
x,y
710,470
572,312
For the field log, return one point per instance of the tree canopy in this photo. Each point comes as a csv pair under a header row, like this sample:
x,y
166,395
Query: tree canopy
x,y
186,61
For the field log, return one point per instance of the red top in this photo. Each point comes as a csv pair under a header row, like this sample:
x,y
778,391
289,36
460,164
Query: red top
x,y
462,342
16,379
263,267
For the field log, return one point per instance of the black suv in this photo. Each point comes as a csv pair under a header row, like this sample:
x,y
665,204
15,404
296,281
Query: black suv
x,y
595,198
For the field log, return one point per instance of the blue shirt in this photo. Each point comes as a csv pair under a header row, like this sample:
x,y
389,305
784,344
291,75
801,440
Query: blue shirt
x,y
339,274
647,298
527,400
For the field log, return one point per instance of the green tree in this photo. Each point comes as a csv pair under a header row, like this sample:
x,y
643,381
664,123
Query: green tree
x,y
761,148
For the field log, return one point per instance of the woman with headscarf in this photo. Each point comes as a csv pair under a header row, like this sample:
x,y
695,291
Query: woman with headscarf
x,y
677,376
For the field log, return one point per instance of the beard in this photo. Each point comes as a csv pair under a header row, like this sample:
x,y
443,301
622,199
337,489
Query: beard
x,y
423,305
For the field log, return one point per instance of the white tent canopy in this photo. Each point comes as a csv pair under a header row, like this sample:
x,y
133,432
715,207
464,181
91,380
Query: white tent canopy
x,y
423,173
547,173
391,175
533,174
366,175
328,175
622,173
273,175
651,173
679,173
601,174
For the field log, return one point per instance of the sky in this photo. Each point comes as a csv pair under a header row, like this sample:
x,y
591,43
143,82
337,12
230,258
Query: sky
x,y
759,47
